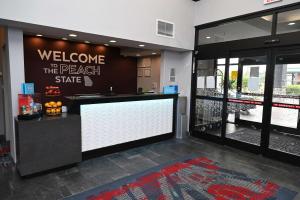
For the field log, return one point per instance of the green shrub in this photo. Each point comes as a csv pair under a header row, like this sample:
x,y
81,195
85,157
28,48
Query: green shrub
x,y
293,89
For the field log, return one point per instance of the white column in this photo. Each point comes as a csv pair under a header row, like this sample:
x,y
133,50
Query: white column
x,y
14,76
182,63
2,123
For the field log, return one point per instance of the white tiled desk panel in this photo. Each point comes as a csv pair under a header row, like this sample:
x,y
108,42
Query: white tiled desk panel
x,y
107,124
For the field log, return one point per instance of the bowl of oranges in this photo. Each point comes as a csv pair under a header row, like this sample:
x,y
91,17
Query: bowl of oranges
x,y
53,108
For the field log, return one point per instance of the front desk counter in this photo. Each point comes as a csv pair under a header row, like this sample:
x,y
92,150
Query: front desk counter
x,y
109,121
94,125
47,143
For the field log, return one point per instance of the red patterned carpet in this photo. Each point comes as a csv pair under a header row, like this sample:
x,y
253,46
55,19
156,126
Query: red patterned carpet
x,y
5,159
189,178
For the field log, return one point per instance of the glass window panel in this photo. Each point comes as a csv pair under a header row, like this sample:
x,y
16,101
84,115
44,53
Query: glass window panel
x,y
287,79
236,30
285,117
286,91
253,82
234,60
210,78
250,112
284,136
288,21
209,116
232,81
221,61
243,131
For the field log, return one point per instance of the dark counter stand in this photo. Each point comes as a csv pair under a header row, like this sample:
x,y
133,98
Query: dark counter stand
x,y
47,143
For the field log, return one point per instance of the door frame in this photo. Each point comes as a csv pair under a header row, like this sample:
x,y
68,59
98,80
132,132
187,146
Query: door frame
x,y
194,98
235,143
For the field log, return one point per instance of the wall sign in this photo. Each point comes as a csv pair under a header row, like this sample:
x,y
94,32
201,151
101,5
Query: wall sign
x,y
76,67
270,1
71,66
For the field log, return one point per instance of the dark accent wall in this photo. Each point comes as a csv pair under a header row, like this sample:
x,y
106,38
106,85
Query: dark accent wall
x,y
118,71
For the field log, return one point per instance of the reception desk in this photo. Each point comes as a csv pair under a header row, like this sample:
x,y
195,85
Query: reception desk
x,y
112,120
94,125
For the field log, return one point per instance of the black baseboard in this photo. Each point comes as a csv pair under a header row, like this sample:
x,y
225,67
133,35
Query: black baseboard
x,y
45,172
121,147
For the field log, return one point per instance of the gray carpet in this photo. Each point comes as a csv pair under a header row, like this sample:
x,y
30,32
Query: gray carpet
x,y
278,141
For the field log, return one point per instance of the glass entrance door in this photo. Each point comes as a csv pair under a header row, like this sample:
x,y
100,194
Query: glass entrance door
x,y
209,95
245,99
285,113
250,100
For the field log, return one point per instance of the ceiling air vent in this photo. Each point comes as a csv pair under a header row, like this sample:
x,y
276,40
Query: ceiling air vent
x,y
165,28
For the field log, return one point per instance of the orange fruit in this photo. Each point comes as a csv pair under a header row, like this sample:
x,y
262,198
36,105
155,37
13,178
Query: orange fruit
x,y
59,104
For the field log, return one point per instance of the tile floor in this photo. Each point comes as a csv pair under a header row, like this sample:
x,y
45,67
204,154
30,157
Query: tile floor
x,y
105,169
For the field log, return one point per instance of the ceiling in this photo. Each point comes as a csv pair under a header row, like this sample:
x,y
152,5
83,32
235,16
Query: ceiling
x,y
57,33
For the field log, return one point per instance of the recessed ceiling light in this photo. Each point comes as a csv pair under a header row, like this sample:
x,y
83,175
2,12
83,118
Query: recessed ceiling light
x,y
39,35
154,53
106,45
291,23
64,38
87,42
141,45
138,55
208,37
113,41
72,35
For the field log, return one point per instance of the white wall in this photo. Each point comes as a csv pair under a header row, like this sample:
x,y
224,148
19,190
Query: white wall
x,y
126,19
2,37
182,62
213,10
13,78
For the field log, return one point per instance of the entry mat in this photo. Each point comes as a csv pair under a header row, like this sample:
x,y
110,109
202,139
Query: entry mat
x,y
191,177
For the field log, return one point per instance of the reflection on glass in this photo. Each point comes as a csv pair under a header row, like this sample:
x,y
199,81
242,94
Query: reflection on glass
x,y
252,113
210,77
234,60
221,61
285,117
287,79
253,82
239,127
247,78
288,21
209,116
286,90
246,83
285,121
242,29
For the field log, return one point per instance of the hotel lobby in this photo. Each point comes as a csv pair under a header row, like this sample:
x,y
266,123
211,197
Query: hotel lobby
x,y
158,100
